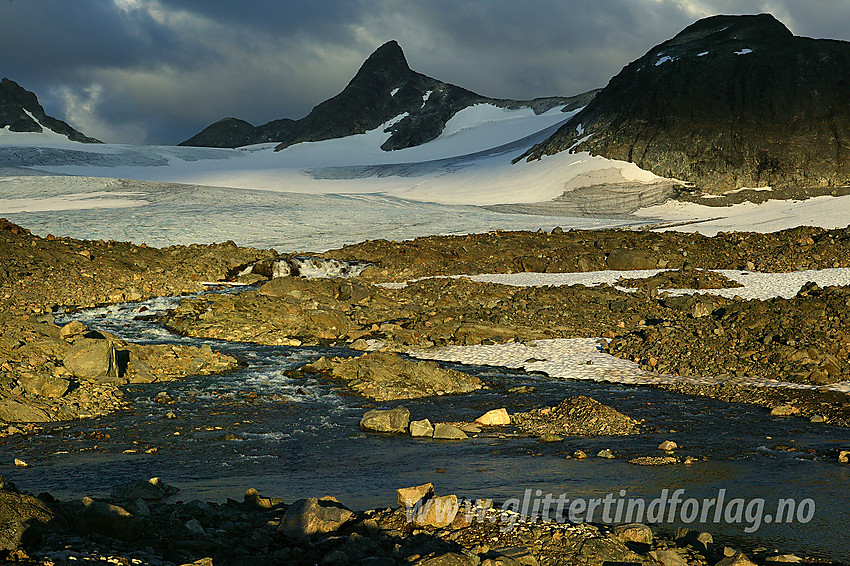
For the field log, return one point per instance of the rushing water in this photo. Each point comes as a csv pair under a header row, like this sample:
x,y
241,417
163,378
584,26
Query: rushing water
x,y
295,437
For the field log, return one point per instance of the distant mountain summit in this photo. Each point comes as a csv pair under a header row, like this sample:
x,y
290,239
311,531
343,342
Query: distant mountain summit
x,y
233,132
21,112
730,102
385,87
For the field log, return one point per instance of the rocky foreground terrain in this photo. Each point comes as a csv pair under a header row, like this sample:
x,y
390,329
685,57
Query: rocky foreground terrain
x,y
138,525
50,373
401,299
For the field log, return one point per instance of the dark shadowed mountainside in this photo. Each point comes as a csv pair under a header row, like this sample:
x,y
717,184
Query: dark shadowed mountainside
x,y
385,87
21,112
730,102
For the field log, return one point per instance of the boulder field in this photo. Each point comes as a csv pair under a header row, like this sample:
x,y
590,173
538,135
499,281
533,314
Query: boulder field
x,y
142,524
48,372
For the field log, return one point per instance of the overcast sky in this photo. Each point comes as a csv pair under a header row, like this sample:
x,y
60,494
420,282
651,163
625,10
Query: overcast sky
x,y
158,71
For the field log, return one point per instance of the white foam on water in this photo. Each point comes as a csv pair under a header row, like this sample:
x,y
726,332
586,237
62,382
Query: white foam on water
x,y
313,268
279,269
319,268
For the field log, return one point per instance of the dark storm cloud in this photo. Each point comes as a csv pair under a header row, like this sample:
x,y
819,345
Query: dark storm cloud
x,y
57,36
158,71
326,18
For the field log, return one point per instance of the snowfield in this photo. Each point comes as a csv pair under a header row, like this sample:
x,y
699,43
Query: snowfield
x,y
754,285
769,216
316,195
582,359
468,164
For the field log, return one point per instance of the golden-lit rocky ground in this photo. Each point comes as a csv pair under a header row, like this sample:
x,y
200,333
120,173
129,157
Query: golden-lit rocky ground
x,y
48,372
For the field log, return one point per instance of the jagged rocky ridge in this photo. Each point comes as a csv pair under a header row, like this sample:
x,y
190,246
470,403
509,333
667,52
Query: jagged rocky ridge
x,y
383,88
20,111
730,102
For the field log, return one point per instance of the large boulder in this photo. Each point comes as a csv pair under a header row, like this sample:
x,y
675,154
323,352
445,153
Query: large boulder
x,y
22,518
312,516
422,428
13,411
446,431
92,358
622,259
110,520
608,549
390,420
73,330
45,386
576,416
668,558
495,417
437,512
410,496
737,559
634,532
386,376
153,489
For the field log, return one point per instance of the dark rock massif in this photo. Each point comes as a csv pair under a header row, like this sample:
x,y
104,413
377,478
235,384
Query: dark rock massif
x,y
233,132
21,112
383,88
730,102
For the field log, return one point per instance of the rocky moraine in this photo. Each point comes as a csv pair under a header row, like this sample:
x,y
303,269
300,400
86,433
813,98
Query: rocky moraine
x,y
405,295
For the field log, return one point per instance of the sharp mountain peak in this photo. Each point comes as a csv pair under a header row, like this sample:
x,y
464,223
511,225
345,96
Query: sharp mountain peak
x,y
383,88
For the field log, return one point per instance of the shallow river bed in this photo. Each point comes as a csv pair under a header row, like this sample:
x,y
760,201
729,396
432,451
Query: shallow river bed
x,y
296,437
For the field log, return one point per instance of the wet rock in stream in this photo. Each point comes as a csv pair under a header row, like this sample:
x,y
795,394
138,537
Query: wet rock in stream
x,y
386,376
576,416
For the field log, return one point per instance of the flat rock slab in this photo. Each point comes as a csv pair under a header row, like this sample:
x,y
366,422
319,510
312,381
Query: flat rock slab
x,y
422,428
389,420
409,496
445,431
386,376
